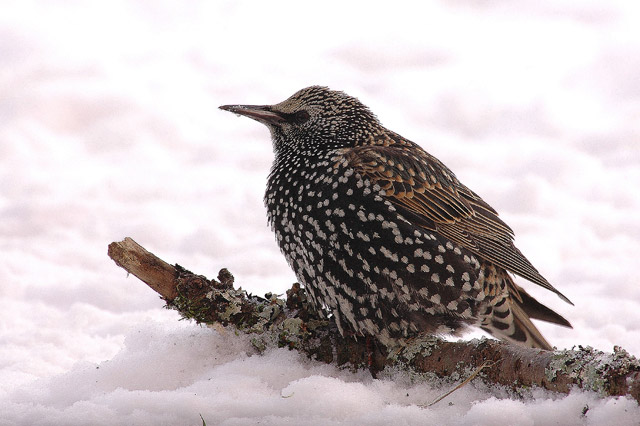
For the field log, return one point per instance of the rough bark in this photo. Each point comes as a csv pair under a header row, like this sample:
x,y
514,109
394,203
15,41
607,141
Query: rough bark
x,y
292,323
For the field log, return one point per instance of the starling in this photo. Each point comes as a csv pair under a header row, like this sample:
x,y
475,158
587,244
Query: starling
x,y
383,235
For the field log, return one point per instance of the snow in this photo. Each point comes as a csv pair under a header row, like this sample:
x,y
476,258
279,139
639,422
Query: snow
x,y
109,128
171,374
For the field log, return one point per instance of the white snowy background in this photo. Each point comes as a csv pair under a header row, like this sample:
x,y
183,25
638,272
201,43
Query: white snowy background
x,y
109,128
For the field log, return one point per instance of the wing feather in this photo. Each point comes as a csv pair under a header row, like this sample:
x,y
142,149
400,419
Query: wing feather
x,y
426,192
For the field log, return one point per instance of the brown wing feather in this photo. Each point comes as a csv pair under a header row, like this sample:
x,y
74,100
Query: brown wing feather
x,y
426,192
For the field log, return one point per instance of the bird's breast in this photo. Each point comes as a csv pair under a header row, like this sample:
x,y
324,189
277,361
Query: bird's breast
x,y
346,242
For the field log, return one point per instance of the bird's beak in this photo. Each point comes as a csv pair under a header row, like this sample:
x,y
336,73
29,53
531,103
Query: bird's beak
x,y
261,113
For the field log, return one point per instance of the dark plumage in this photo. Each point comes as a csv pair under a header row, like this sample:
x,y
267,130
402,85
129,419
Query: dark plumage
x,y
383,234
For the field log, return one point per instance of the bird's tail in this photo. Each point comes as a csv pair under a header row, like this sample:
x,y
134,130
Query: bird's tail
x,y
508,317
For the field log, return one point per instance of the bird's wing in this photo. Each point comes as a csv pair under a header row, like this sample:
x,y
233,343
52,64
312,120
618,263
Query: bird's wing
x,y
427,193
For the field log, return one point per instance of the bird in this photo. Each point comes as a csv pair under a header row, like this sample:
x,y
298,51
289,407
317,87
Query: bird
x,y
383,236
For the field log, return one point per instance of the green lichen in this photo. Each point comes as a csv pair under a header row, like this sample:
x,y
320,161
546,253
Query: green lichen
x,y
423,346
259,344
189,309
590,368
292,333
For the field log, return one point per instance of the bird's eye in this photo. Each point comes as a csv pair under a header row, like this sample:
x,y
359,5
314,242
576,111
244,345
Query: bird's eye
x,y
299,117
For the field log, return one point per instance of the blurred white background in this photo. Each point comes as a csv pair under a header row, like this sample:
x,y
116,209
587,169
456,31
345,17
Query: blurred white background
x,y
109,128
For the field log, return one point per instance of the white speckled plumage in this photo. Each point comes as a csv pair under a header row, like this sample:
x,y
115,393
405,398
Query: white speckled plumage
x,y
383,234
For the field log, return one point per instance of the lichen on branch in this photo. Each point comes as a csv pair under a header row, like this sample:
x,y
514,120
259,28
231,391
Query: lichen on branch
x,y
291,323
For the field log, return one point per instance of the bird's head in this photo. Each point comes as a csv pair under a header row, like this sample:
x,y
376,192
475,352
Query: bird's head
x,y
313,119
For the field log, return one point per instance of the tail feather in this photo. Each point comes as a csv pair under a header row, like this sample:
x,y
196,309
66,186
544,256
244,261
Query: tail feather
x,y
524,326
506,320
537,310
508,309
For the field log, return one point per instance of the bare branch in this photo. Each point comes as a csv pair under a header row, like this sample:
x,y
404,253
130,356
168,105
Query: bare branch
x,y
293,324
152,270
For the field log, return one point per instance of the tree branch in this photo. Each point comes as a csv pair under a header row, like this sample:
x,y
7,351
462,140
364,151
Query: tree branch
x,y
293,324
